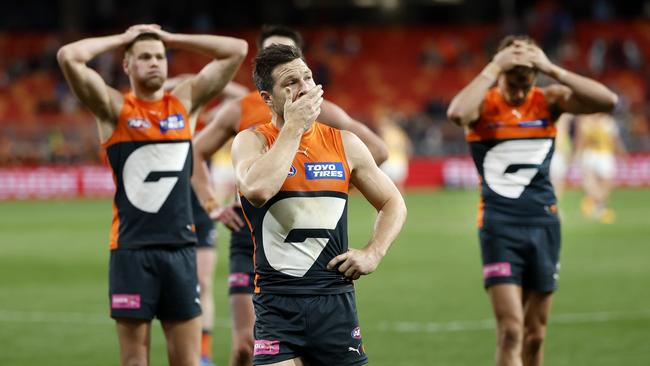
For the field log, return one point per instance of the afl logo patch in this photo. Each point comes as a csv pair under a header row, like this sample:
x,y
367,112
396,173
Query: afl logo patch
x,y
292,171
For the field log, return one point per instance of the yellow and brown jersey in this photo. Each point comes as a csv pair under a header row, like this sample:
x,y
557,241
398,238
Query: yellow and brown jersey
x,y
512,148
150,153
298,231
599,133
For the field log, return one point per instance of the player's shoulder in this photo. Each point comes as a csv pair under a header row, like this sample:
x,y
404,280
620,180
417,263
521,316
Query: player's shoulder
x,y
554,92
249,139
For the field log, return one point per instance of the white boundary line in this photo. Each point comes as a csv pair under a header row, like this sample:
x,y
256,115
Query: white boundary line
x,y
52,317
489,324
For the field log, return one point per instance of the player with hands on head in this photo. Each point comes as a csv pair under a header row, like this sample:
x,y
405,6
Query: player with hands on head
x,y
147,136
511,131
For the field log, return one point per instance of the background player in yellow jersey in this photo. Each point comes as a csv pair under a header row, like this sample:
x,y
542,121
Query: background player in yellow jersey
x,y
399,148
293,175
563,154
598,142
233,117
511,129
147,135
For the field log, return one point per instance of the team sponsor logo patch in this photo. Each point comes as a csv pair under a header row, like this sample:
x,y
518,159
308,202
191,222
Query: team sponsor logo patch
x,y
239,279
356,333
264,347
499,269
173,122
292,171
138,123
325,170
534,123
125,301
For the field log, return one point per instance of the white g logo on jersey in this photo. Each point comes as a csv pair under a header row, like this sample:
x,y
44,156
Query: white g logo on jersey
x,y
514,152
288,214
150,196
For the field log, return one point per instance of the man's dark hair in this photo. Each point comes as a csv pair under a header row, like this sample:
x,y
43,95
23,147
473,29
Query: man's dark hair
x,y
268,59
279,30
142,37
507,41
520,72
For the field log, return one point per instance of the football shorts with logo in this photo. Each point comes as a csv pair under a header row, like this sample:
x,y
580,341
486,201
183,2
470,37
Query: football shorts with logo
x,y
322,330
524,255
148,283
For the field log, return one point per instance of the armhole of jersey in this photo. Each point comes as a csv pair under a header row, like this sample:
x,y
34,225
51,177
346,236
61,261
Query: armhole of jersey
x,y
110,140
340,147
261,130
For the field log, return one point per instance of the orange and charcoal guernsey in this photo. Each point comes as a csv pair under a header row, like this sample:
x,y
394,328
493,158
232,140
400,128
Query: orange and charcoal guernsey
x,y
253,111
299,230
150,153
512,148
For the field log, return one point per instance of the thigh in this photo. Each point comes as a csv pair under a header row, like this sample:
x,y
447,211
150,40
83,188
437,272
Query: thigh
x,y
206,258
183,340
293,362
544,259
243,316
502,254
334,334
134,284
180,298
537,306
134,336
506,300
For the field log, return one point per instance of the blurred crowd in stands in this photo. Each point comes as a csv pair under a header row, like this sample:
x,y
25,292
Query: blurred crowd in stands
x,y
407,74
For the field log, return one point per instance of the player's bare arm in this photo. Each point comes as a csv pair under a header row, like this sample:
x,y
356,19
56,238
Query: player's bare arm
x,y
227,53
465,108
334,116
382,194
576,94
222,127
103,101
259,171
219,130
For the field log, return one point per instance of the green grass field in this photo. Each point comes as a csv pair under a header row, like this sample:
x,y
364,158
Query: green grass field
x,y
424,306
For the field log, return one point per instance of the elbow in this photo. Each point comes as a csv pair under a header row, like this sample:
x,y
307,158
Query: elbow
x,y
612,101
403,210
202,154
456,116
257,196
63,56
241,50
380,154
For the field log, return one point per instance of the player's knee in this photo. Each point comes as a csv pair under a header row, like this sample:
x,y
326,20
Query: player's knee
x,y
243,350
243,353
510,335
533,339
134,360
